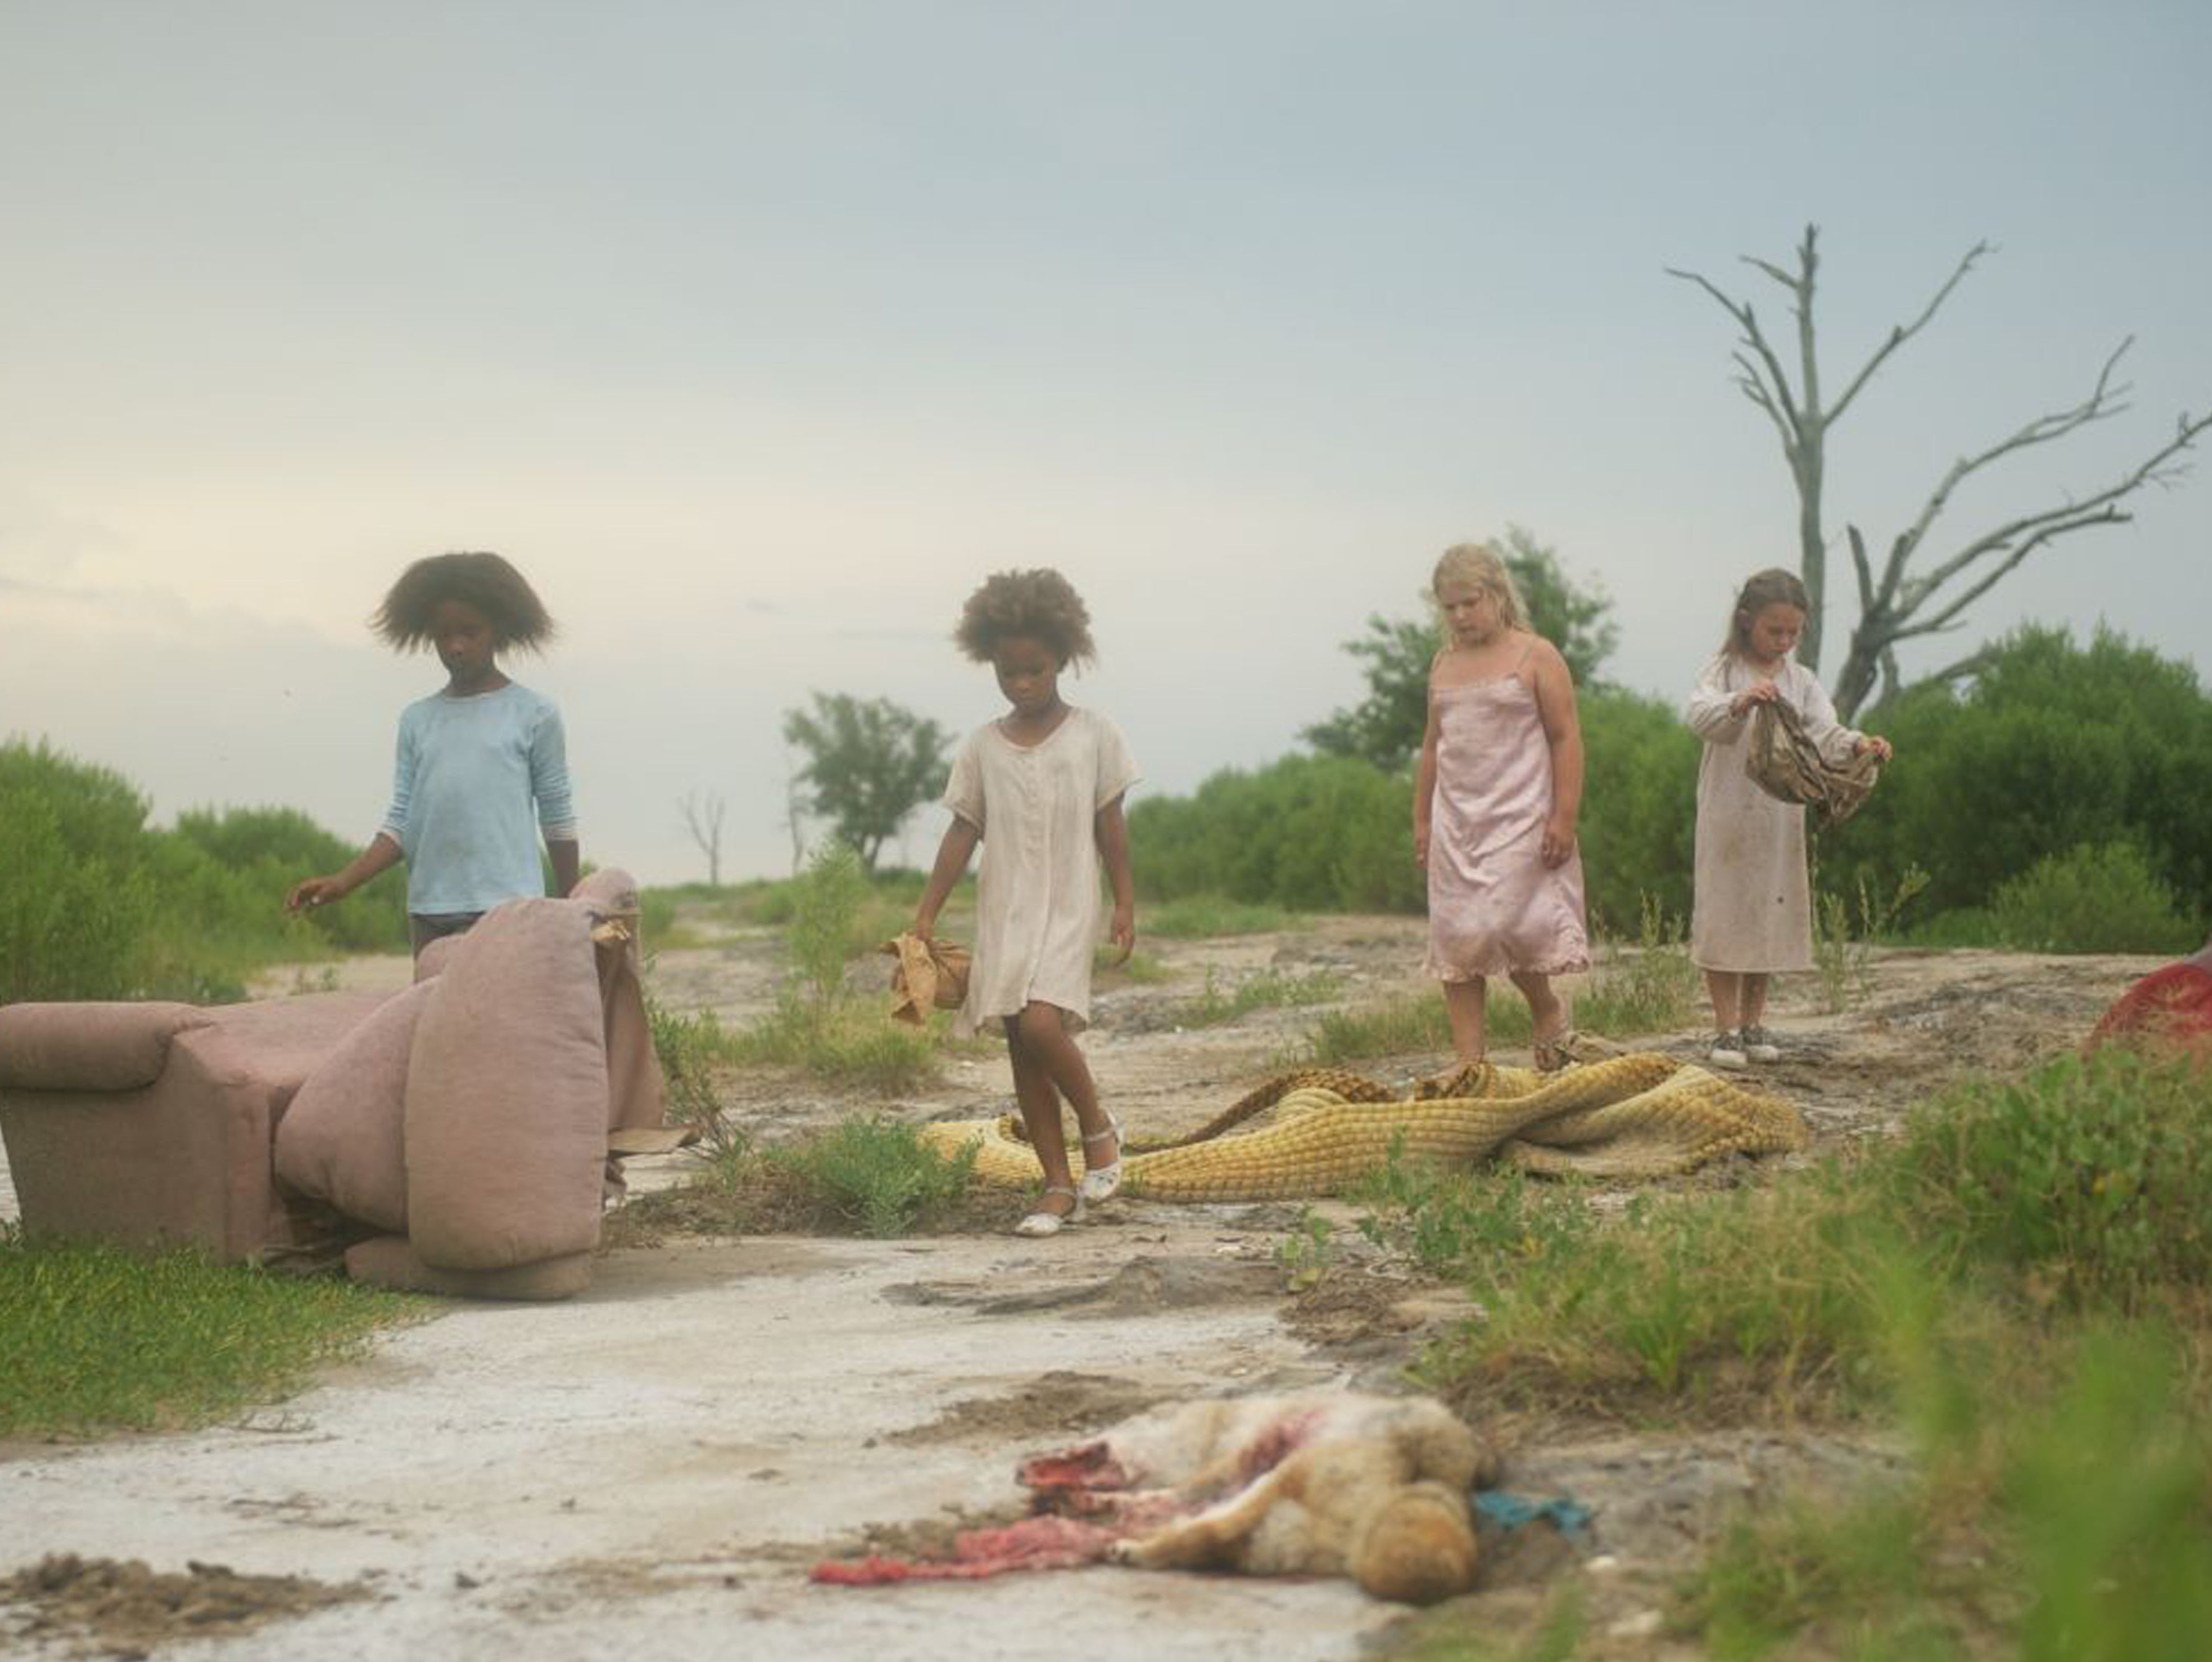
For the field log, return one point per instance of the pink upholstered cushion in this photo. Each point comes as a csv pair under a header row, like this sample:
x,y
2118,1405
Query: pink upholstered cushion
x,y
343,1139
389,1261
88,1048
507,1094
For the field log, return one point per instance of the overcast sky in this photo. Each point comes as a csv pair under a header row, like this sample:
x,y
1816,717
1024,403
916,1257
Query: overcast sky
x,y
756,334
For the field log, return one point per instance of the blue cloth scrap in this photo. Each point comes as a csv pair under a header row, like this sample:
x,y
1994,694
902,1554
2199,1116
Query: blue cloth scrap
x,y
1510,1511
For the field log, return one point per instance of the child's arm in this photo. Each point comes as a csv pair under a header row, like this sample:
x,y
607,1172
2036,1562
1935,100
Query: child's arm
x,y
960,840
1563,731
381,855
550,791
1715,714
566,855
385,849
1836,743
1112,830
1425,777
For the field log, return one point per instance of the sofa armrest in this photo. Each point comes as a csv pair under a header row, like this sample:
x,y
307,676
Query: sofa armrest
x,y
89,1046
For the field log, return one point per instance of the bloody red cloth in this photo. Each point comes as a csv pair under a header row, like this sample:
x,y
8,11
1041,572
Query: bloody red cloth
x,y
1033,1543
2172,1005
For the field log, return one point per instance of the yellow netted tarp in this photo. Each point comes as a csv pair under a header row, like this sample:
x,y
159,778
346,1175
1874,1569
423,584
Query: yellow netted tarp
x,y
1321,1131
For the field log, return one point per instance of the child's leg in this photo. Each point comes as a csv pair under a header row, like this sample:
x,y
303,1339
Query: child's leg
x,y
1752,1005
1045,1038
1463,1006
1726,986
1547,1012
1040,1105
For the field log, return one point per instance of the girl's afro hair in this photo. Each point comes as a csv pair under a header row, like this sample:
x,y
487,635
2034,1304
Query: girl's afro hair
x,y
502,594
1040,604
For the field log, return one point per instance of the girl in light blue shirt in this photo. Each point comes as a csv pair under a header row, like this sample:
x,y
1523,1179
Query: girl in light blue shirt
x,y
482,769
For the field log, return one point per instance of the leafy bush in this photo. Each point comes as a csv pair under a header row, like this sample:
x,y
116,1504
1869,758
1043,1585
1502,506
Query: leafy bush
x,y
74,900
878,1175
2092,1174
1324,834
2052,746
2093,898
1639,824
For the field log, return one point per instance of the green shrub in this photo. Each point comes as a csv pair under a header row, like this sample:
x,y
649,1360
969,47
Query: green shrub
x,y
1639,824
72,913
1654,989
2052,746
2092,1175
878,1175
2093,898
1323,834
824,929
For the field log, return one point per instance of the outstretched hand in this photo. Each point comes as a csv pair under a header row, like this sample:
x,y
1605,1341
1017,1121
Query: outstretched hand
x,y
314,892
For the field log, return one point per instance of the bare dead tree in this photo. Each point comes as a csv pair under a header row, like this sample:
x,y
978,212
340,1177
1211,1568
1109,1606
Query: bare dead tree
x,y
1898,604
704,821
1798,415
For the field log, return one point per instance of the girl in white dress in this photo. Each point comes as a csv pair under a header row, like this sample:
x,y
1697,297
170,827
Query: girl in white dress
x,y
1041,789
1751,911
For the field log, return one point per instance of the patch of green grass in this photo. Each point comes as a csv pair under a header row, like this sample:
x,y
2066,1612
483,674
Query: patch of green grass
x,y
872,1176
1654,989
1407,1024
844,1041
1140,968
1270,989
1200,917
1843,944
92,1339
2063,1514
2090,1176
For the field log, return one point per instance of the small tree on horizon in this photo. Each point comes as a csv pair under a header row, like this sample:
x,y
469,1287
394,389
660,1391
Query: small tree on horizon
x,y
869,764
1386,726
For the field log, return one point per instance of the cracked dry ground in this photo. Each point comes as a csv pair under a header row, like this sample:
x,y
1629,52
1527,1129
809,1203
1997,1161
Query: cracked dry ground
x,y
649,1468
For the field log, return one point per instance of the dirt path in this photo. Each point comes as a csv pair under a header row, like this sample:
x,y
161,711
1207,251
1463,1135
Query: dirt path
x,y
647,1470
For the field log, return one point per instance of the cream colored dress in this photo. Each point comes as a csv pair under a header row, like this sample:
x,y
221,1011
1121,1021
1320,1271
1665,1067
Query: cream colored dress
x,y
1752,909
1036,892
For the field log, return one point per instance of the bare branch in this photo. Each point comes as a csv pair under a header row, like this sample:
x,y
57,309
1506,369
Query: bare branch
x,y
1903,332
2152,469
1755,339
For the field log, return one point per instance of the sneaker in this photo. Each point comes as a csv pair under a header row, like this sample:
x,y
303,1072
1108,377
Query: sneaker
x,y
1758,1045
1728,1051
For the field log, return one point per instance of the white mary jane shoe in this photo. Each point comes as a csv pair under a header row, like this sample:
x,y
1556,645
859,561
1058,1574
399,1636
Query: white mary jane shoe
x,y
1102,1182
1041,1222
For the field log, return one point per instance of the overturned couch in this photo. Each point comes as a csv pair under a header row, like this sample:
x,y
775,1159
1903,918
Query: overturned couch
x,y
456,1138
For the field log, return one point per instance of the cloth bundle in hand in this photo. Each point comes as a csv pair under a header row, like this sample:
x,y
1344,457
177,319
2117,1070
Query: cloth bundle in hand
x,y
1783,761
931,975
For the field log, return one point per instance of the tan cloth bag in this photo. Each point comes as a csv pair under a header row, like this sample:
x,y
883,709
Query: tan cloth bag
x,y
929,974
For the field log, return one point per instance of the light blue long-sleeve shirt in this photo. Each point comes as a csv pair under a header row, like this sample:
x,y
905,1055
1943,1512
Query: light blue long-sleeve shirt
x,y
469,774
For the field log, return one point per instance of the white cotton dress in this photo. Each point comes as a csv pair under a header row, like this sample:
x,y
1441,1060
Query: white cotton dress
x,y
1752,909
1036,892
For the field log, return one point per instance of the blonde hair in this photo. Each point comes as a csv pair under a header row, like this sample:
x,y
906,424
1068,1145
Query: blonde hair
x,y
1478,563
1772,587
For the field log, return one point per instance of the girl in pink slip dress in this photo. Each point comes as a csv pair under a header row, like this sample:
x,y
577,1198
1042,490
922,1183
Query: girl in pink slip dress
x,y
1494,808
